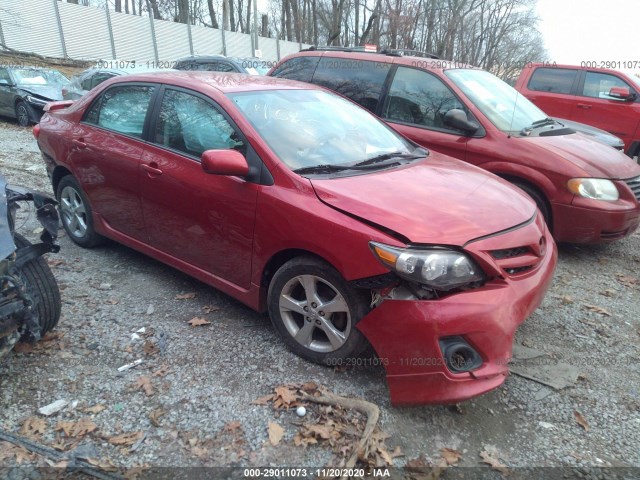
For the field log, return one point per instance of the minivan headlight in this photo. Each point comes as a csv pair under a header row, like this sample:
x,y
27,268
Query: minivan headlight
x,y
595,188
35,100
439,269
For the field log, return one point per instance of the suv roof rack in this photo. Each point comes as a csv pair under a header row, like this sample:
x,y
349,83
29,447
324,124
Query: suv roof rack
x,y
396,52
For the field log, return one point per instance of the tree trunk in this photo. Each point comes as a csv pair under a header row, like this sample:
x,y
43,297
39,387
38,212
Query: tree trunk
x,y
357,24
248,30
265,26
212,14
75,2
118,6
232,15
155,10
126,6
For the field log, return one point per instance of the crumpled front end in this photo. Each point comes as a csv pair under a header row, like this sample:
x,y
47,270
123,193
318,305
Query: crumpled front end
x,y
18,318
452,348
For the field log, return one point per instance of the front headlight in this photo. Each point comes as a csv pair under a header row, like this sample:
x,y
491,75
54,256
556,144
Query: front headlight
x,y
439,269
595,188
35,100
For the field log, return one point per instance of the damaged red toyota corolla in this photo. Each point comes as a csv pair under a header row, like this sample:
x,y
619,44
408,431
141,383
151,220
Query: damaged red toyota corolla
x,y
296,201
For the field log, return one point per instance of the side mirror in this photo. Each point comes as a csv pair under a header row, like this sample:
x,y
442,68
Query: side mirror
x,y
456,118
621,93
5,83
224,162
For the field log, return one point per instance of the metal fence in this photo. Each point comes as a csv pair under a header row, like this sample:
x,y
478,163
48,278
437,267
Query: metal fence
x,y
59,29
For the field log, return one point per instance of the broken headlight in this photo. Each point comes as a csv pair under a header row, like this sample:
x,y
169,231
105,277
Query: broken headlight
x,y
440,269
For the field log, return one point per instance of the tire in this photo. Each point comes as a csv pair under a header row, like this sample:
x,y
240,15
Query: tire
x,y
22,114
540,200
76,213
43,288
305,331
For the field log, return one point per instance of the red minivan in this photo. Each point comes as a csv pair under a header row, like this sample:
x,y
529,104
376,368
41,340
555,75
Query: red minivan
x,y
604,98
298,202
588,192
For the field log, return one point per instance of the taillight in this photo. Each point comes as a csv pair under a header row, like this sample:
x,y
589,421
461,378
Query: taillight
x,y
36,130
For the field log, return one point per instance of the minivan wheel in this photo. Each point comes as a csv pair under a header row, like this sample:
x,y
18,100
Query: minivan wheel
x,y
315,311
540,200
76,214
22,114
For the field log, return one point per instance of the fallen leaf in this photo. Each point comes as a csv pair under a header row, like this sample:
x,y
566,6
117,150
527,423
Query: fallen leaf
x,y
608,292
33,427
107,466
232,426
196,321
185,296
287,393
493,462
126,439
566,300
581,421
210,308
320,431
627,280
263,400
112,301
77,429
144,383
450,455
95,409
155,416
275,433
163,371
150,348
597,309
55,262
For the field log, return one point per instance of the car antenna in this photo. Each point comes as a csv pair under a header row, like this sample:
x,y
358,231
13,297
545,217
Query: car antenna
x,y
513,114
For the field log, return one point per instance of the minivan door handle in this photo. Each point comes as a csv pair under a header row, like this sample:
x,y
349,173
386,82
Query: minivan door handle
x,y
80,143
152,169
585,106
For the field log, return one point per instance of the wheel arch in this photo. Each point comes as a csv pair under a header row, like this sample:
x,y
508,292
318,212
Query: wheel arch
x,y
59,172
515,179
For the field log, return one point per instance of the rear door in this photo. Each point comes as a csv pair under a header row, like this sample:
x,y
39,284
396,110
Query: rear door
x,y
552,90
415,105
105,155
202,219
595,107
6,94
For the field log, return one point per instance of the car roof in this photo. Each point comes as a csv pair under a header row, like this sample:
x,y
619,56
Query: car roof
x,y
208,58
224,82
575,67
382,57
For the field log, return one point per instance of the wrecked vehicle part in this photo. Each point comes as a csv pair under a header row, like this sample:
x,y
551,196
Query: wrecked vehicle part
x,y
29,294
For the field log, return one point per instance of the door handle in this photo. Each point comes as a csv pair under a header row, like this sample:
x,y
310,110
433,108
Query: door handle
x,y
79,142
152,169
585,106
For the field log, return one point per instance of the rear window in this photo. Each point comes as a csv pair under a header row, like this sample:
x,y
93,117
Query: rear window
x,y
359,80
552,80
298,68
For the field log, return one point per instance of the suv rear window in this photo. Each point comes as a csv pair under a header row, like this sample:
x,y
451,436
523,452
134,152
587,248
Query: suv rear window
x,y
552,80
298,68
359,80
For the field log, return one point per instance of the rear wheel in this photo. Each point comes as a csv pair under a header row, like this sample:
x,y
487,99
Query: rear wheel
x,y
22,114
315,311
76,213
42,287
540,200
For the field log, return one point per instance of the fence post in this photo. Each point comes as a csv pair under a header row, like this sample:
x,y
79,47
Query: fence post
x,y
153,34
64,47
111,39
224,42
2,36
189,32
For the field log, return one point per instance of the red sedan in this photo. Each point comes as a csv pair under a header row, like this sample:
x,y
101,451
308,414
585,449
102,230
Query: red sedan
x,y
296,201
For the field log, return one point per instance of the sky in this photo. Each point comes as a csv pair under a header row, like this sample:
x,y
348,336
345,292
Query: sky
x,y
578,31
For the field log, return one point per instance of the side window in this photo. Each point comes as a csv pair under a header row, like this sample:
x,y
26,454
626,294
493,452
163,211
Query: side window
x,y
552,80
216,67
99,78
298,68
192,125
86,82
4,75
598,85
122,109
359,80
419,98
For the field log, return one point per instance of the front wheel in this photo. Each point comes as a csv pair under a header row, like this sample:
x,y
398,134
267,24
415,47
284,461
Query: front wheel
x,y
540,200
22,114
42,287
315,311
76,213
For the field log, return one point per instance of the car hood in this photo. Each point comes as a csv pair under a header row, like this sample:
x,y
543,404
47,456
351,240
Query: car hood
x,y
45,91
436,201
595,159
596,133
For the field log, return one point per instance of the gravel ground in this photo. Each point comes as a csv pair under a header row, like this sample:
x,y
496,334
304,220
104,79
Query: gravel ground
x,y
217,370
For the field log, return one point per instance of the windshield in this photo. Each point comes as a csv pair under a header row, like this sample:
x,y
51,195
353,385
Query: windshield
x,y
34,77
306,128
504,106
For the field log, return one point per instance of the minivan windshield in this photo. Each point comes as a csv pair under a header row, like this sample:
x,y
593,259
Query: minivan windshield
x,y
504,106
313,128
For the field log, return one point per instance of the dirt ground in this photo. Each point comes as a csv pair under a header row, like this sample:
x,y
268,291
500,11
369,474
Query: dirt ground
x,y
191,402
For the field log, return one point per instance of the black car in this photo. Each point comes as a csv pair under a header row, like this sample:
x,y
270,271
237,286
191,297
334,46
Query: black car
x,y
220,63
24,91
